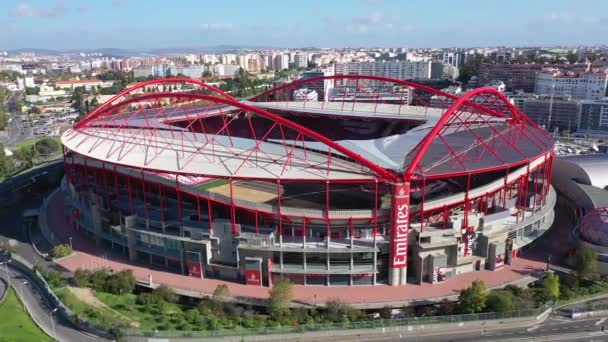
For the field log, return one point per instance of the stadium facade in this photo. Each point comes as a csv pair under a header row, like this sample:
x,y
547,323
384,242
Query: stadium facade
x,y
369,185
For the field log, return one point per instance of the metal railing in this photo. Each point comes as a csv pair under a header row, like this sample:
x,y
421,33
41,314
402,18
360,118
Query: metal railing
x,y
356,325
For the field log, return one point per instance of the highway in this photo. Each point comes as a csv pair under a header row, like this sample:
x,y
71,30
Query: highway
x,y
40,309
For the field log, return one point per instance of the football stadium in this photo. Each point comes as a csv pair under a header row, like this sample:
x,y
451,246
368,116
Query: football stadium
x,y
341,180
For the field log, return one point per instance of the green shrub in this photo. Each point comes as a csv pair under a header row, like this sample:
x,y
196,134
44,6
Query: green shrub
x,y
53,278
61,251
500,301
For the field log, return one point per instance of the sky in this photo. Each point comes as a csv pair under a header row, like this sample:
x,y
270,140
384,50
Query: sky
x,y
139,24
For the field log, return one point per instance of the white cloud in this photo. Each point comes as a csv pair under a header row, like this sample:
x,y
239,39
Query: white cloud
x,y
217,27
376,21
24,9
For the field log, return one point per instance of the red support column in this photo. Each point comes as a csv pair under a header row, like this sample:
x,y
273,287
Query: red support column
x,y
178,195
257,224
376,210
198,207
232,210
130,195
327,222
422,205
279,210
210,213
105,186
467,205
143,191
117,189
162,209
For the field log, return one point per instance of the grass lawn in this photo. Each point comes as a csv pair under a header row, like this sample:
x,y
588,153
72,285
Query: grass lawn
x,y
212,184
31,142
16,324
145,318
99,315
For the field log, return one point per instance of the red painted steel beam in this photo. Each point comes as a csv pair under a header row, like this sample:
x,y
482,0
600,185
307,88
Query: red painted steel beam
x,y
381,172
92,115
517,118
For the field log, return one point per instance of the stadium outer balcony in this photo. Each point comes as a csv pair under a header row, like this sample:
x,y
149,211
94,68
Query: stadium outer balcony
x,y
250,191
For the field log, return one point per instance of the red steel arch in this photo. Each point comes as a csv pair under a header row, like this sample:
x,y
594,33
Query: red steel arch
x,y
515,118
92,115
87,127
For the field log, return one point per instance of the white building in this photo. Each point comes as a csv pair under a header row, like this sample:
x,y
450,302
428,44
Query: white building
x,y
321,87
455,59
29,82
305,95
281,62
225,70
87,84
192,71
401,70
588,85
301,61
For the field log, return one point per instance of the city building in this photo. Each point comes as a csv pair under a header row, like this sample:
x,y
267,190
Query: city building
x,y
305,95
516,76
586,85
192,71
300,61
401,70
455,59
553,112
332,193
155,70
321,86
225,70
519,76
281,62
87,84
593,116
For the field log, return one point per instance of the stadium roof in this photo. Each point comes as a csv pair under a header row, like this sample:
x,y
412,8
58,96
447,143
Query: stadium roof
x,y
480,131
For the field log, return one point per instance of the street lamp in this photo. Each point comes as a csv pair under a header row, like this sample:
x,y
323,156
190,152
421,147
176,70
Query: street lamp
x,y
53,324
8,275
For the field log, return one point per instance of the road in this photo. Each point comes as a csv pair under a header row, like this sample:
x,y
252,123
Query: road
x,y
553,329
16,131
40,309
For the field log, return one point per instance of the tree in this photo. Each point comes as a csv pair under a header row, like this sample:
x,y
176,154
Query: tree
x,y
32,91
120,283
500,301
586,261
551,286
3,119
473,299
4,168
207,74
46,146
165,294
279,298
26,155
571,57
82,278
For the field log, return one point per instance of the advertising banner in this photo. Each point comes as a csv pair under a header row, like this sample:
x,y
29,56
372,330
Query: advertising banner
x,y
253,277
439,274
194,269
400,222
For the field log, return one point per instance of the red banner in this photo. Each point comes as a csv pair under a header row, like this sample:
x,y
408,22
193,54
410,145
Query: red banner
x,y
401,222
194,269
253,277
